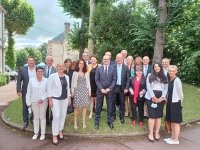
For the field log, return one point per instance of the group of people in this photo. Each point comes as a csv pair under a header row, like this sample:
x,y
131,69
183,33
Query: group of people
x,y
124,82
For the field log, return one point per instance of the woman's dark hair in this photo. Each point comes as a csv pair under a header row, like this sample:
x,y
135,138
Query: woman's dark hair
x,y
67,60
158,77
37,68
84,67
94,56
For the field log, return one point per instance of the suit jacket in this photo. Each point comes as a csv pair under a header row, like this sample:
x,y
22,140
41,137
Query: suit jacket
x,y
142,86
103,81
22,80
149,69
54,87
125,76
53,70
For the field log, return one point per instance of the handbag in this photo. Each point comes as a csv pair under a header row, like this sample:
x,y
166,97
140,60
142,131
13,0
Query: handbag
x,y
70,108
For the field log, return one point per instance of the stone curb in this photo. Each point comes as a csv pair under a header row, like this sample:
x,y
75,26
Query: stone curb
x,y
17,126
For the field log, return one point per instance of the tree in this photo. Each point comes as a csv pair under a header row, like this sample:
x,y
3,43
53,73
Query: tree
x,y
18,19
43,50
21,57
77,9
160,39
35,53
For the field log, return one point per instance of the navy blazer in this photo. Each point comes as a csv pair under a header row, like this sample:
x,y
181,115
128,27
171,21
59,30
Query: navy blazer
x,y
103,81
22,80
148,70
125,76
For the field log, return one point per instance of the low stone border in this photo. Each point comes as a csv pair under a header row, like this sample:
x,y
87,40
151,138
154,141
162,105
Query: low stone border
x,y
17,126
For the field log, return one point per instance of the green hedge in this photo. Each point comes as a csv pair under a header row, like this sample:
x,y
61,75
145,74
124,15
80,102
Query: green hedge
x,y
4,79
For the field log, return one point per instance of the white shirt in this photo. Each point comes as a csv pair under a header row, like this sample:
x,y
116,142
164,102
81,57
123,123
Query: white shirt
x,y
36,90
31,73
105,68
165,71
177,91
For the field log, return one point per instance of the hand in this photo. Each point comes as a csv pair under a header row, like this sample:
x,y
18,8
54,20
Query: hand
x,y
72,95
69,101
29,105
154,99
50,102
40,101
19,94
103,91
89,94
141,93
107,90
160,99
131,91
125,91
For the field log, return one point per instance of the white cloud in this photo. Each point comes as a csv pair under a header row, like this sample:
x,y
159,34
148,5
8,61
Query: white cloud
x,y
49,18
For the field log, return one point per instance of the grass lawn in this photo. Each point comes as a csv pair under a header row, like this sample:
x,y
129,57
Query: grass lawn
x,y
191,107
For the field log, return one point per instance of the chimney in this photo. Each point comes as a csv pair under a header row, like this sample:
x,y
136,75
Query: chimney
x,y
67,27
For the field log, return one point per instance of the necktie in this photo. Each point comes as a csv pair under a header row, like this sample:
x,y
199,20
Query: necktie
x,y
145,70
106,70
48,72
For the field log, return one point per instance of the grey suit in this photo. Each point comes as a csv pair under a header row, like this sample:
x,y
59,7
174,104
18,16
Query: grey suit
x,y
119,89
22,83
104,81
53,70
49,117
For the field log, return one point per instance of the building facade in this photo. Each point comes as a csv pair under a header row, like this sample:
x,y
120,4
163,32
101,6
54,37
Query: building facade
x,y
58,47
2,39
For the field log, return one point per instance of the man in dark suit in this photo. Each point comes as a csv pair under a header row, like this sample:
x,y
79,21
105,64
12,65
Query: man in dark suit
x,y
105,79
146,67
121,86
85,57
146,70
49,69
110,56
165,65
25,73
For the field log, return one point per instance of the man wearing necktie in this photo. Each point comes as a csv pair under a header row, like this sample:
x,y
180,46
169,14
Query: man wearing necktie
x,y
105,79
121,87
48,70
146,70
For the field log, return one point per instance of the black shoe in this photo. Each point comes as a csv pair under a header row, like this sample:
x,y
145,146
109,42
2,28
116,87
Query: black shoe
x,y
24,125
113,119
96,126
61,138
111,125
55,143
122,121
150,140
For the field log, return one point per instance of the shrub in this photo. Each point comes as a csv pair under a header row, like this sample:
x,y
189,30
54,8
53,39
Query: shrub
x,y
4,79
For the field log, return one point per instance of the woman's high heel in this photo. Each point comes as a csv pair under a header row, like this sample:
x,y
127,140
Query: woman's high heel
x,y
150,140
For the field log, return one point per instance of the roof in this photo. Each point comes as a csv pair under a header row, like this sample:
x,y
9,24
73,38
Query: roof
x,y
2,9
59,38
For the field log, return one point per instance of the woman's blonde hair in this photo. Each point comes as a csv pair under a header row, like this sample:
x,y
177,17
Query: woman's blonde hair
x,y
173,66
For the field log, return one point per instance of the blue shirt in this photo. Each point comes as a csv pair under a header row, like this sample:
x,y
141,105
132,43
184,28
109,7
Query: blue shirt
x,y
119,73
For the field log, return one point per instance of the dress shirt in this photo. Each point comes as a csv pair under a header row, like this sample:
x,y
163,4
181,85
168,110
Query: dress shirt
x,y
145,68
165,71
31,73
36,90
119,74
47,75
105,68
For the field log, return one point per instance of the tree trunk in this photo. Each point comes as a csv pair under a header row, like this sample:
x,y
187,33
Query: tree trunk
x,y
82,34
160,39
91,25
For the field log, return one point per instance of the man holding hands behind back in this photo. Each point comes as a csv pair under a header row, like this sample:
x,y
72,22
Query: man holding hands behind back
x,y
121,86
105,79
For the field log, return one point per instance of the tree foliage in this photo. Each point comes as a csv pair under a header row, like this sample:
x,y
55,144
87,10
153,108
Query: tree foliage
x,y
23,54
43,50
18,19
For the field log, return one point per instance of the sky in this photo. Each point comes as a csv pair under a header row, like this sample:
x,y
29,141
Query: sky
x,y
49,17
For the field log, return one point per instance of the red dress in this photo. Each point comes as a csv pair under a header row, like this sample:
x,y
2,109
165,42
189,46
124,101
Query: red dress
x,y
136,90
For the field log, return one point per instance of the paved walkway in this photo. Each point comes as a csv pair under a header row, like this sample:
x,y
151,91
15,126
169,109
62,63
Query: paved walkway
x,y
13,139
